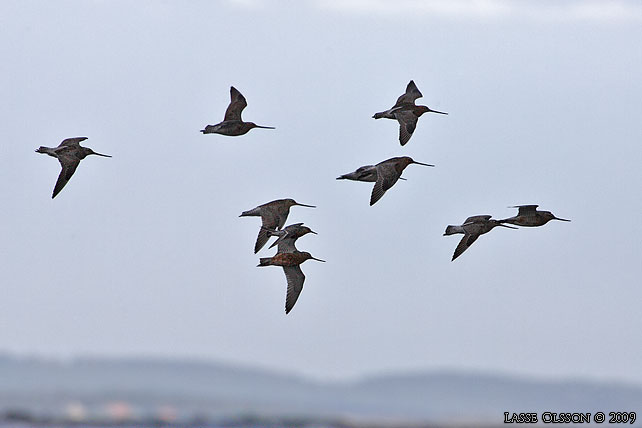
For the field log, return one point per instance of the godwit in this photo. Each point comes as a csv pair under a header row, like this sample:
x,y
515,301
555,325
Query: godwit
x,y
69,153
529,216
295,277
385,174
273,215
232,124
472,228
406,112
288,236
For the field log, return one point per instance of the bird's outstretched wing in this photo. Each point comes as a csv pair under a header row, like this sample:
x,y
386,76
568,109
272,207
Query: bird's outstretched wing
x,y
477,219
412,93
526,209
69,165
72,142
463,245
237,104
269,221
285,240
407,125
386,178
295,278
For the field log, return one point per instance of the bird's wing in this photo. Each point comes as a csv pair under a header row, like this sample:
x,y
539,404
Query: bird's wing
x,y
295,278
412,93
367,172
477,218
281,218
284,235
407,124
293,226
269,222
72,142
463,245
386,178
526,209
69,165
237,104
286,245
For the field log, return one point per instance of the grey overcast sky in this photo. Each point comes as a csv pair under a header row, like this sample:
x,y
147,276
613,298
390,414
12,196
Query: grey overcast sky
x,y
144,253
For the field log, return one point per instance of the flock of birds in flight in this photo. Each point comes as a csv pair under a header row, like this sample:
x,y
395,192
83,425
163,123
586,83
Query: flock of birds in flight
x,y
274,214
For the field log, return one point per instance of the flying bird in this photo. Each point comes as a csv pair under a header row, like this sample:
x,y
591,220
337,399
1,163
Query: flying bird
x,y
69,153
529,216
232,124
406,112
295,277
472,228
385,174
288,236
273,216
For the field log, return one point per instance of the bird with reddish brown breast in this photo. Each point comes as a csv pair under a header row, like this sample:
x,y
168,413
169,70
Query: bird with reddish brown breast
x,y
529,216
69,153
385,174
232,124
406,112
291,267
472,228
273,216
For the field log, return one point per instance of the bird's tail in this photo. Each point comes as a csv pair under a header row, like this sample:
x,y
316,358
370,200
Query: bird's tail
x,y
451,230
378,115
253,212
265,261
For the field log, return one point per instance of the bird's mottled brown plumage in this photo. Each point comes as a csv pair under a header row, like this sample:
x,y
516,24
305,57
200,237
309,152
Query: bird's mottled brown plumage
x,y
529,216
232,124
293,273
288,236
69,153
385,174
406,112
472,228
273,216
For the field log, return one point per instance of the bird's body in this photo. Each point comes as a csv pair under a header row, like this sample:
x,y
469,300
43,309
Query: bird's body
x,y
231,128
406,112
529,216
385,174
364,173
288,236
232,124
293,273
472,228
273,216
69,153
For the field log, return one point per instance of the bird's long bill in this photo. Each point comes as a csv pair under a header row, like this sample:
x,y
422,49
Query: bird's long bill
x,y
265,127
424,164
561,219
304,205
100,154
312,231
435,111
509,227
319,260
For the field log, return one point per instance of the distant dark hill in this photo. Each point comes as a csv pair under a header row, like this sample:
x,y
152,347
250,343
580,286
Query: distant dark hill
x,y
219,390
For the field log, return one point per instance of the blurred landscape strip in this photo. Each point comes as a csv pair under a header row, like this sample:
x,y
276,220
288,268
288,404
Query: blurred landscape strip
x,y
36,391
